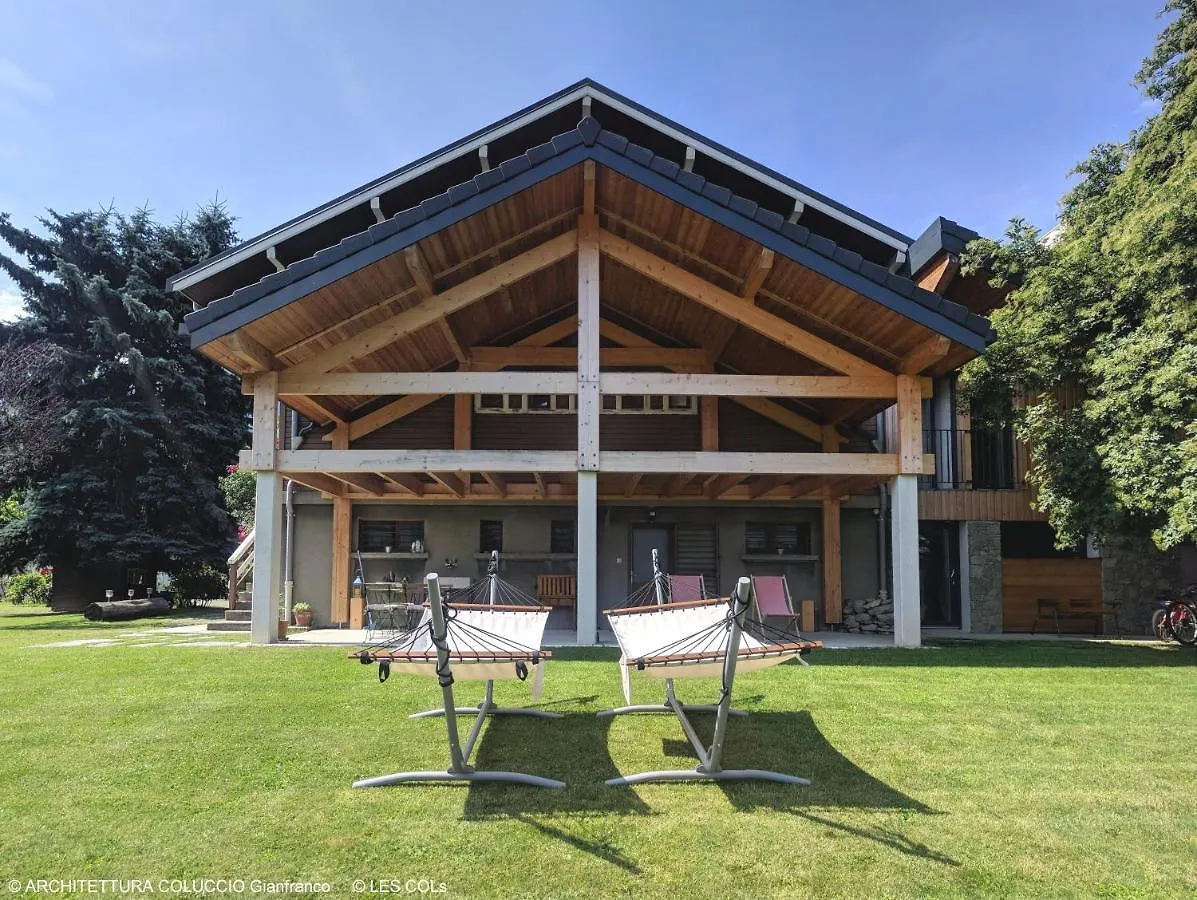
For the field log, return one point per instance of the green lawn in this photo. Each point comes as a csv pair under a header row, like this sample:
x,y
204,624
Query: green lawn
x,y
1031,770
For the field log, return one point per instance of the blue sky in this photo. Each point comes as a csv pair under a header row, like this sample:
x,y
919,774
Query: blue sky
x,y
905,111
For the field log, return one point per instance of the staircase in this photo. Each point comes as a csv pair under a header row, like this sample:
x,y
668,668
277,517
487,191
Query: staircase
x,y
241,573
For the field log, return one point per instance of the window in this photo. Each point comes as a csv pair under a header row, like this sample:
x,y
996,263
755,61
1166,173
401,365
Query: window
x,y
377,536
540,404
777,538
562,536
490,535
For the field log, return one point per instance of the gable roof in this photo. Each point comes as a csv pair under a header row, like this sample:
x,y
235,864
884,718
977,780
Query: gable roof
x,y
510,137
589,141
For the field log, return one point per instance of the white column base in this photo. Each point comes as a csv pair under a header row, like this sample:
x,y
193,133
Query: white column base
x,y
268,545
904,525
587,558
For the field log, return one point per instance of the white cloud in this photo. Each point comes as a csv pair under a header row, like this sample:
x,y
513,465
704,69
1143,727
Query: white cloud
x,y
19,84
11,305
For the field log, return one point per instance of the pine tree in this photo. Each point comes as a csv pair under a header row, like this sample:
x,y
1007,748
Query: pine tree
x,y
148,426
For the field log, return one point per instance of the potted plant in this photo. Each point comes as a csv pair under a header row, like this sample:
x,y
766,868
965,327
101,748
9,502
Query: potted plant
x,y
303,614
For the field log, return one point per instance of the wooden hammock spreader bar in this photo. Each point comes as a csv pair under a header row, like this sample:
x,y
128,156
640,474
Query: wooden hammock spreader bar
x,y
657,607
497,607
712,655
430,656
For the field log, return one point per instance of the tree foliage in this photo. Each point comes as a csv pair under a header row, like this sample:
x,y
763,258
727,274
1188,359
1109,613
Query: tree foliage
x,y
1110,307
147,426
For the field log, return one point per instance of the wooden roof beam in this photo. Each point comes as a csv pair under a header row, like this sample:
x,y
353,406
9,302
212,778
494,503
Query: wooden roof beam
x,y
770,409
456,485
761,266
252,350
940,275
318,482
633,482
409,483
925,354
721,484
405,406
449,301
367,482
497,483
728,304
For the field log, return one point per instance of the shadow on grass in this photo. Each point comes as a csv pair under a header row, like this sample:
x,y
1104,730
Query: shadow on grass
x,y
73,620
1045,654
791,743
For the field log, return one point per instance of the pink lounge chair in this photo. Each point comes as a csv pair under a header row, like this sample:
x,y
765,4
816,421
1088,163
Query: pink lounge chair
x,y
686,588
772,597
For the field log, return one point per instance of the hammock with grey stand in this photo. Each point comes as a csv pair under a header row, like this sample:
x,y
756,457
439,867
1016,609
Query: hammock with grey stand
x,y
490,631
697,639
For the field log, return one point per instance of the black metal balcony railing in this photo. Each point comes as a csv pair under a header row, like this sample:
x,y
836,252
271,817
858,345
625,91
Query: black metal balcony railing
x,y
978,459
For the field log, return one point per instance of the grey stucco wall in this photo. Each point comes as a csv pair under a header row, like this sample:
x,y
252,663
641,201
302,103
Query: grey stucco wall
x,y
451,531
985,576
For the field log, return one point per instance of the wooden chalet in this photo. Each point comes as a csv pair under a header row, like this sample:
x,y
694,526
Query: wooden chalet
x,y
580,334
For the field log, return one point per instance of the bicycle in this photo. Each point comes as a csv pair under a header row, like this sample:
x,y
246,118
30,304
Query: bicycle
x,y
1176,619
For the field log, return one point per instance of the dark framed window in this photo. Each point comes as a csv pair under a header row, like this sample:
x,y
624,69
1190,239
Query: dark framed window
x,y
374,536
777,538
563,536
490,535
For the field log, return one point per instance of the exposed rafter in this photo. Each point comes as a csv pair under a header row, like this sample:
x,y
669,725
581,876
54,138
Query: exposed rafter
x,y
440,305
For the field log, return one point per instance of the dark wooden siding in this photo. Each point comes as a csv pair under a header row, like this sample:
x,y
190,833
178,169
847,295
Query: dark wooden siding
x,y
430,428
513,431
742,430
648,432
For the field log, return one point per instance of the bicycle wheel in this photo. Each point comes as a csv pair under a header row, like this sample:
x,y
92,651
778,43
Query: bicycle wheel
x,y
1182,622
1159,625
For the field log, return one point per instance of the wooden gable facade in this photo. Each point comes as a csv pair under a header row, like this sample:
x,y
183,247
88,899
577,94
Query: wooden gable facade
x,y
588,323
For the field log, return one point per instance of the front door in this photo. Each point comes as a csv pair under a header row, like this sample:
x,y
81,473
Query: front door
x,y
939,573
646,539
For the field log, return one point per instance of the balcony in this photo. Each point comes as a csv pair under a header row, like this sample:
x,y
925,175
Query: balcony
x,y
976,459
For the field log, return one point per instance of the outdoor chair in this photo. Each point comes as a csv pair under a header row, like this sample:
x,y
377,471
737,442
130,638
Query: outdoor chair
x,y
686,588
772,597
559,591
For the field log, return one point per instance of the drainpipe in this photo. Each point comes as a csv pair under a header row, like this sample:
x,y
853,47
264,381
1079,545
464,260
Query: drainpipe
x,y
289,532
882,512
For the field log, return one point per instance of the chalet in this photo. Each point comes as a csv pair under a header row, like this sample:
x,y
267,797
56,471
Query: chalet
x,y
586,332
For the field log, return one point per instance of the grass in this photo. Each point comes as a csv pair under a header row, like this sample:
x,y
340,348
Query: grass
x,y
1011,770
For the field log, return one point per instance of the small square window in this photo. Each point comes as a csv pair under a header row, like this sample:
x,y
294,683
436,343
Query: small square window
x,y
539,402
676,402
490,401
490,535
562,536
631,402
609,402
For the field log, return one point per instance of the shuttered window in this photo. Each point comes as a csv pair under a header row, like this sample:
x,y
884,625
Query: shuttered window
x,y
697,553
771,538
562,536
376,536
490,535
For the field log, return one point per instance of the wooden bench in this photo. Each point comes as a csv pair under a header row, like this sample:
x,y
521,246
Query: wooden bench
x,y
559,591
1085,609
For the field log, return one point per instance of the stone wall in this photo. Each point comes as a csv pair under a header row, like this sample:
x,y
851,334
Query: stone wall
x,y
1134,574
985,576
872,616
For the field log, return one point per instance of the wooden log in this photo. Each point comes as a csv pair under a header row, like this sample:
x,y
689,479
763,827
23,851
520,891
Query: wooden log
x,y
113,610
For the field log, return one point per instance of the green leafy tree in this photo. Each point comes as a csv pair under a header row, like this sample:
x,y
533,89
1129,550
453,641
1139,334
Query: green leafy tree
x,y
148,426
1101,332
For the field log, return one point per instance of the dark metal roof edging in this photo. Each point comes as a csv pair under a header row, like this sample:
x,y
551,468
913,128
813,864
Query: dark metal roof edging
x,y
603,94
589,141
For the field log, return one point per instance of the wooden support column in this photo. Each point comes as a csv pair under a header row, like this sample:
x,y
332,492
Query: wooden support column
x,y
833,596
708,409
904,515
589,406
268,513
268,551
463,430
904,538
342,539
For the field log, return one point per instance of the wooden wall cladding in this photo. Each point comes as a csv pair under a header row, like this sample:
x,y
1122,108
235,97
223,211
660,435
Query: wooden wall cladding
x,y
1026,581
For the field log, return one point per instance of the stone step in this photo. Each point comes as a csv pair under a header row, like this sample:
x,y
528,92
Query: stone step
x,y
229,626
237,615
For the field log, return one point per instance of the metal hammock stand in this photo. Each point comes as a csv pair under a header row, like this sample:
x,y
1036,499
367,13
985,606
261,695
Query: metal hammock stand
x,y
445,636
724,639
